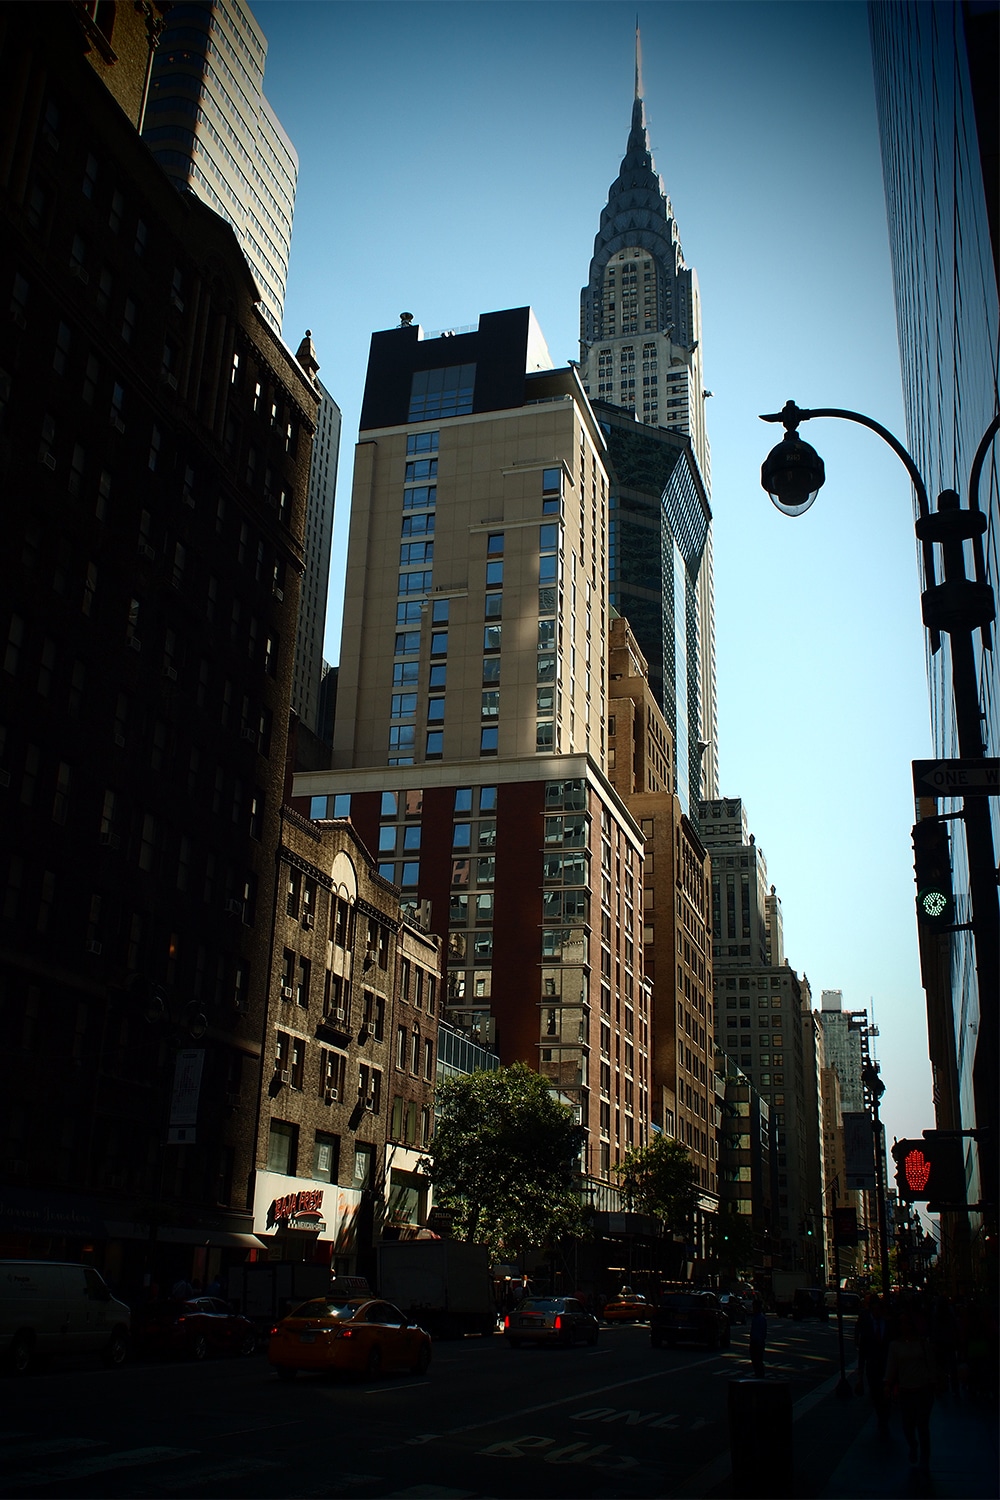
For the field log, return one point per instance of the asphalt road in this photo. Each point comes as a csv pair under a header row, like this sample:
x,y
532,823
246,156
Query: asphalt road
x,y
487,1421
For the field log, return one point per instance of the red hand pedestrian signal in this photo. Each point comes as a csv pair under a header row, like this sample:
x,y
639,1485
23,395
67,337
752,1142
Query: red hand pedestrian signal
x,y
918,1171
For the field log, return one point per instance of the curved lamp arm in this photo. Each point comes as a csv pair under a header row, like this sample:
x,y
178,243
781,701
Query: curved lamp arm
x,y
791,415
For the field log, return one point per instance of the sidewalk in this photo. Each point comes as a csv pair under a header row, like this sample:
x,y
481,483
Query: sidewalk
x,y
838,1454
964,1458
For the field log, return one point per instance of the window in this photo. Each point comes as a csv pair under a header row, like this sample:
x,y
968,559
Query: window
x,y
326,1157
404,705
491,670
408,643
281,1148
404,673
422,442
418,525
494,574
440,611
387,839
437,675
402,737
491,638
494,544
489,741
435,710
494,606
445,392
434,748
439,643
552,481
491,705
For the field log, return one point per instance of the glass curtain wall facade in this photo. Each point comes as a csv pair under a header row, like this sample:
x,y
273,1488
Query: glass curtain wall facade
x,y
936,91
213,132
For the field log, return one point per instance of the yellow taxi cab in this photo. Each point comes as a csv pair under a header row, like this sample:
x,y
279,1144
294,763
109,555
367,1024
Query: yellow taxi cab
x,y
363,1335
627,1307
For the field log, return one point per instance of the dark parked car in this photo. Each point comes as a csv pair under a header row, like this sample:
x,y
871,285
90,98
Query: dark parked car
x,y
850,1303
693,1317
196,1328
809,1302
550,1320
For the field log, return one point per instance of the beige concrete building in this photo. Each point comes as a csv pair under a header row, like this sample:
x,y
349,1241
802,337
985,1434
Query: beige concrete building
x,y
470,737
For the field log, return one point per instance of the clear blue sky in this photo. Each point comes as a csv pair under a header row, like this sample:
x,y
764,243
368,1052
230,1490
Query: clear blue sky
x,y
454,159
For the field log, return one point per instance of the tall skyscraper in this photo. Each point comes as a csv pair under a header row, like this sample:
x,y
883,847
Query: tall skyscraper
x,y
936,93
308,676
213,132
640,353
469,742
763,1019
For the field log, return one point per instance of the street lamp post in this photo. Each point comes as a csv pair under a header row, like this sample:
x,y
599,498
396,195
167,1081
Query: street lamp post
x,y
792,474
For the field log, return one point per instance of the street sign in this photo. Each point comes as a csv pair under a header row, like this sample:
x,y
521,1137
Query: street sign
x,y
956,778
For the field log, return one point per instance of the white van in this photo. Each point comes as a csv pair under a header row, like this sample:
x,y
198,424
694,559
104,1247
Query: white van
x,y
55,1308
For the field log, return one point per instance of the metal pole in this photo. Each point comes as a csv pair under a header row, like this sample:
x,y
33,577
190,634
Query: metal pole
x,y
843,1386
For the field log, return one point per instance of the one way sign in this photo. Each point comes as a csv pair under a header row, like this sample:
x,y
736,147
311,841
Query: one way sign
x,y
956,778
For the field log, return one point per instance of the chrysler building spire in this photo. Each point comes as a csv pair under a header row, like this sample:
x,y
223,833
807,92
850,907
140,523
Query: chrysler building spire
x,y
640,287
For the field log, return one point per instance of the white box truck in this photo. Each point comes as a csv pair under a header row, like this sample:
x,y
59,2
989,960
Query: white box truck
x,y
444,1285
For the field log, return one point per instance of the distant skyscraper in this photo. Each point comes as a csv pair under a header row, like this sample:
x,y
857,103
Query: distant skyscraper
x,y
640,352
763,1019
936,93
319,535
211,129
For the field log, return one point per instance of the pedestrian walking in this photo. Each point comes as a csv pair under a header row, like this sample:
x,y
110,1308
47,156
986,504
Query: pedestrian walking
x,y
758,1337
871,1335
911,1374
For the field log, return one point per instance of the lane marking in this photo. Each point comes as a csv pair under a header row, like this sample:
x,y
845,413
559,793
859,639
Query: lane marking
x,y
271,1426
380,1390
528,1411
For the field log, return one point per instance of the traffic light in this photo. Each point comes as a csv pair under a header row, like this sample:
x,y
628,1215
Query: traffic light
x,y
932,864
931,1170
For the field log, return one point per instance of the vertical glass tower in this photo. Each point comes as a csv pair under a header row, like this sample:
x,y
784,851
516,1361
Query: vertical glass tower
x,y
640,355
211,129
936,94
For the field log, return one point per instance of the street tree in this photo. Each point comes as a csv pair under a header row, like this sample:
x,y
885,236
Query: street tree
x,y
658,1179
505,1156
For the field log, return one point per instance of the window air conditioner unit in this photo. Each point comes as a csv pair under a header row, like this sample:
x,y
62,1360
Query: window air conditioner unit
x,y
93,947
286,992
339,1013
170,673
286,1075
279,594
48,459
234,907
135,643
308,919
110,840
145,550
331,1096
370,1102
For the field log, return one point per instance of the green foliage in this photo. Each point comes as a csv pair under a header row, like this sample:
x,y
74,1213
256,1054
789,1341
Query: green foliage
x,y
659,1179
505,1156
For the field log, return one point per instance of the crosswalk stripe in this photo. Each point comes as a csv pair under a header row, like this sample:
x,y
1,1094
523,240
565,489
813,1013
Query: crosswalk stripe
x,y
33,1479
